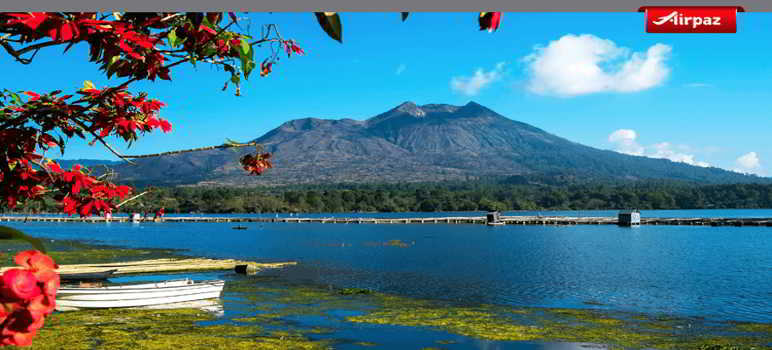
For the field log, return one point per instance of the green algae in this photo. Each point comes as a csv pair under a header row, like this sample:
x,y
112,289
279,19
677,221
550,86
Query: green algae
x,y
365,343
754,327
500,323
620,330
72,252
273,306
390,243
102,255
353,291
160,329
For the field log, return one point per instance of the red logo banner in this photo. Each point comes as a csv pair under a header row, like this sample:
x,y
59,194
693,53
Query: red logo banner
x,y
691,19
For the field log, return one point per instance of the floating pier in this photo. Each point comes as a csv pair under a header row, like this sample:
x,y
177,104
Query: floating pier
x,y
169,265
481,220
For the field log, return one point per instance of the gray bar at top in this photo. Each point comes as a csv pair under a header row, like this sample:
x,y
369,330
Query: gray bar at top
x,y
370,5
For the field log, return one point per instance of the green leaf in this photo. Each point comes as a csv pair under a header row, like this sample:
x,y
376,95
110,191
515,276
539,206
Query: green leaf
x,y
248,68
16,98
12,233
88,85
245,49
235,78
205,22
172,37
404,16
247,62
208,51
330,22
113,60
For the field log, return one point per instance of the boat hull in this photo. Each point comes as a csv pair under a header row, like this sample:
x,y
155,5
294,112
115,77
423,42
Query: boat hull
x,y
137,295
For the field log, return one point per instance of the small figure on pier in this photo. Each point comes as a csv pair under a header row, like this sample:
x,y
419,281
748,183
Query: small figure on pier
x,y
158,215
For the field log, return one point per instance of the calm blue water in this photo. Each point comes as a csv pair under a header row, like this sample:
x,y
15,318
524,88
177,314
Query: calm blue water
x,y
721,273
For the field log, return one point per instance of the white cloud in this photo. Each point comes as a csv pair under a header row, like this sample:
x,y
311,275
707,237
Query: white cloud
x,y
584,64
471,86
401,68
665,150
749,163
626,141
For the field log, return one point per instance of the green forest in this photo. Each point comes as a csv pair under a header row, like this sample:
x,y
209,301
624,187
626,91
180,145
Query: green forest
x,y
430,197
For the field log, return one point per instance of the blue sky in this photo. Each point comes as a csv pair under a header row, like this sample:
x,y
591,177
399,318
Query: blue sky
x,y
705,99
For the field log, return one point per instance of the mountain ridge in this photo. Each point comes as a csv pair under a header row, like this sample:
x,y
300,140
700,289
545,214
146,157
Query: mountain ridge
x,y
411,143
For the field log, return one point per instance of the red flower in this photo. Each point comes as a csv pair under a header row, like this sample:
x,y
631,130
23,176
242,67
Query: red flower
x,y
9,337
69,206
35,260
32,96
50,281
4,311
20,284
42,305
291,46
64,32
31,19
33,290
54,167
265,68
165,125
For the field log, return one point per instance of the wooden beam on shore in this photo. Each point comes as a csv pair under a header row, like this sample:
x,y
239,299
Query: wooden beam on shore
x,y
168,265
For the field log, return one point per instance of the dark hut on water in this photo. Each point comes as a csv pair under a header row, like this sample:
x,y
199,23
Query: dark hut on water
x,y
629,218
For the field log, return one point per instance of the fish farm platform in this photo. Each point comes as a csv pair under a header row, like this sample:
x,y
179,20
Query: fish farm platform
x,y
508,220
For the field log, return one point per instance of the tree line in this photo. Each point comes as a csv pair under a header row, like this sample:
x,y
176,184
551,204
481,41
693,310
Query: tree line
x,y
429,197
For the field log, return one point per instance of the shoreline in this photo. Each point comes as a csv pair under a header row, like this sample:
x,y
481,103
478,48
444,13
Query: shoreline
x,y
506,220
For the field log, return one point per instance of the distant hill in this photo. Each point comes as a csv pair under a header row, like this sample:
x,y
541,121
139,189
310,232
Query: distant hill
x,y
412,143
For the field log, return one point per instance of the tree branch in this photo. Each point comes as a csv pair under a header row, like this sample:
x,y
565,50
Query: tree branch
x,y
102,141
226,145
17,53
131,199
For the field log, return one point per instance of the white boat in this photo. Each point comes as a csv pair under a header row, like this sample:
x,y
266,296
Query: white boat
x,y
496,223
137,295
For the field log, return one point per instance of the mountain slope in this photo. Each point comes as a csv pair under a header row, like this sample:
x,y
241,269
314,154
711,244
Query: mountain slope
x,y
415,143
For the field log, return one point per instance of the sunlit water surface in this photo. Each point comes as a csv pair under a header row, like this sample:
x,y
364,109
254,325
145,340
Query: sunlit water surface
x,y
716,273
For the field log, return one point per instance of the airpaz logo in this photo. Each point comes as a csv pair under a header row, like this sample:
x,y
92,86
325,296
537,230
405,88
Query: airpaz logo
x,y
681,20
691,19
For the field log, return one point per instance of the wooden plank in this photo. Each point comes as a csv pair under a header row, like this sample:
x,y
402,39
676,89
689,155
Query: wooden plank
x,y
166,265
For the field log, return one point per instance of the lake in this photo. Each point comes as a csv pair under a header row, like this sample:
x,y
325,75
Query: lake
x,y
717,273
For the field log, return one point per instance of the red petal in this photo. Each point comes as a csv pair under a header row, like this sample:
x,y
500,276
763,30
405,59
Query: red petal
x,y
207,29
31,20
495,21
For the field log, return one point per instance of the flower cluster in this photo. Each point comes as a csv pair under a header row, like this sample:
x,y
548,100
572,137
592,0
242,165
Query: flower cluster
x,y
256,164
26,174
123,114
27,296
